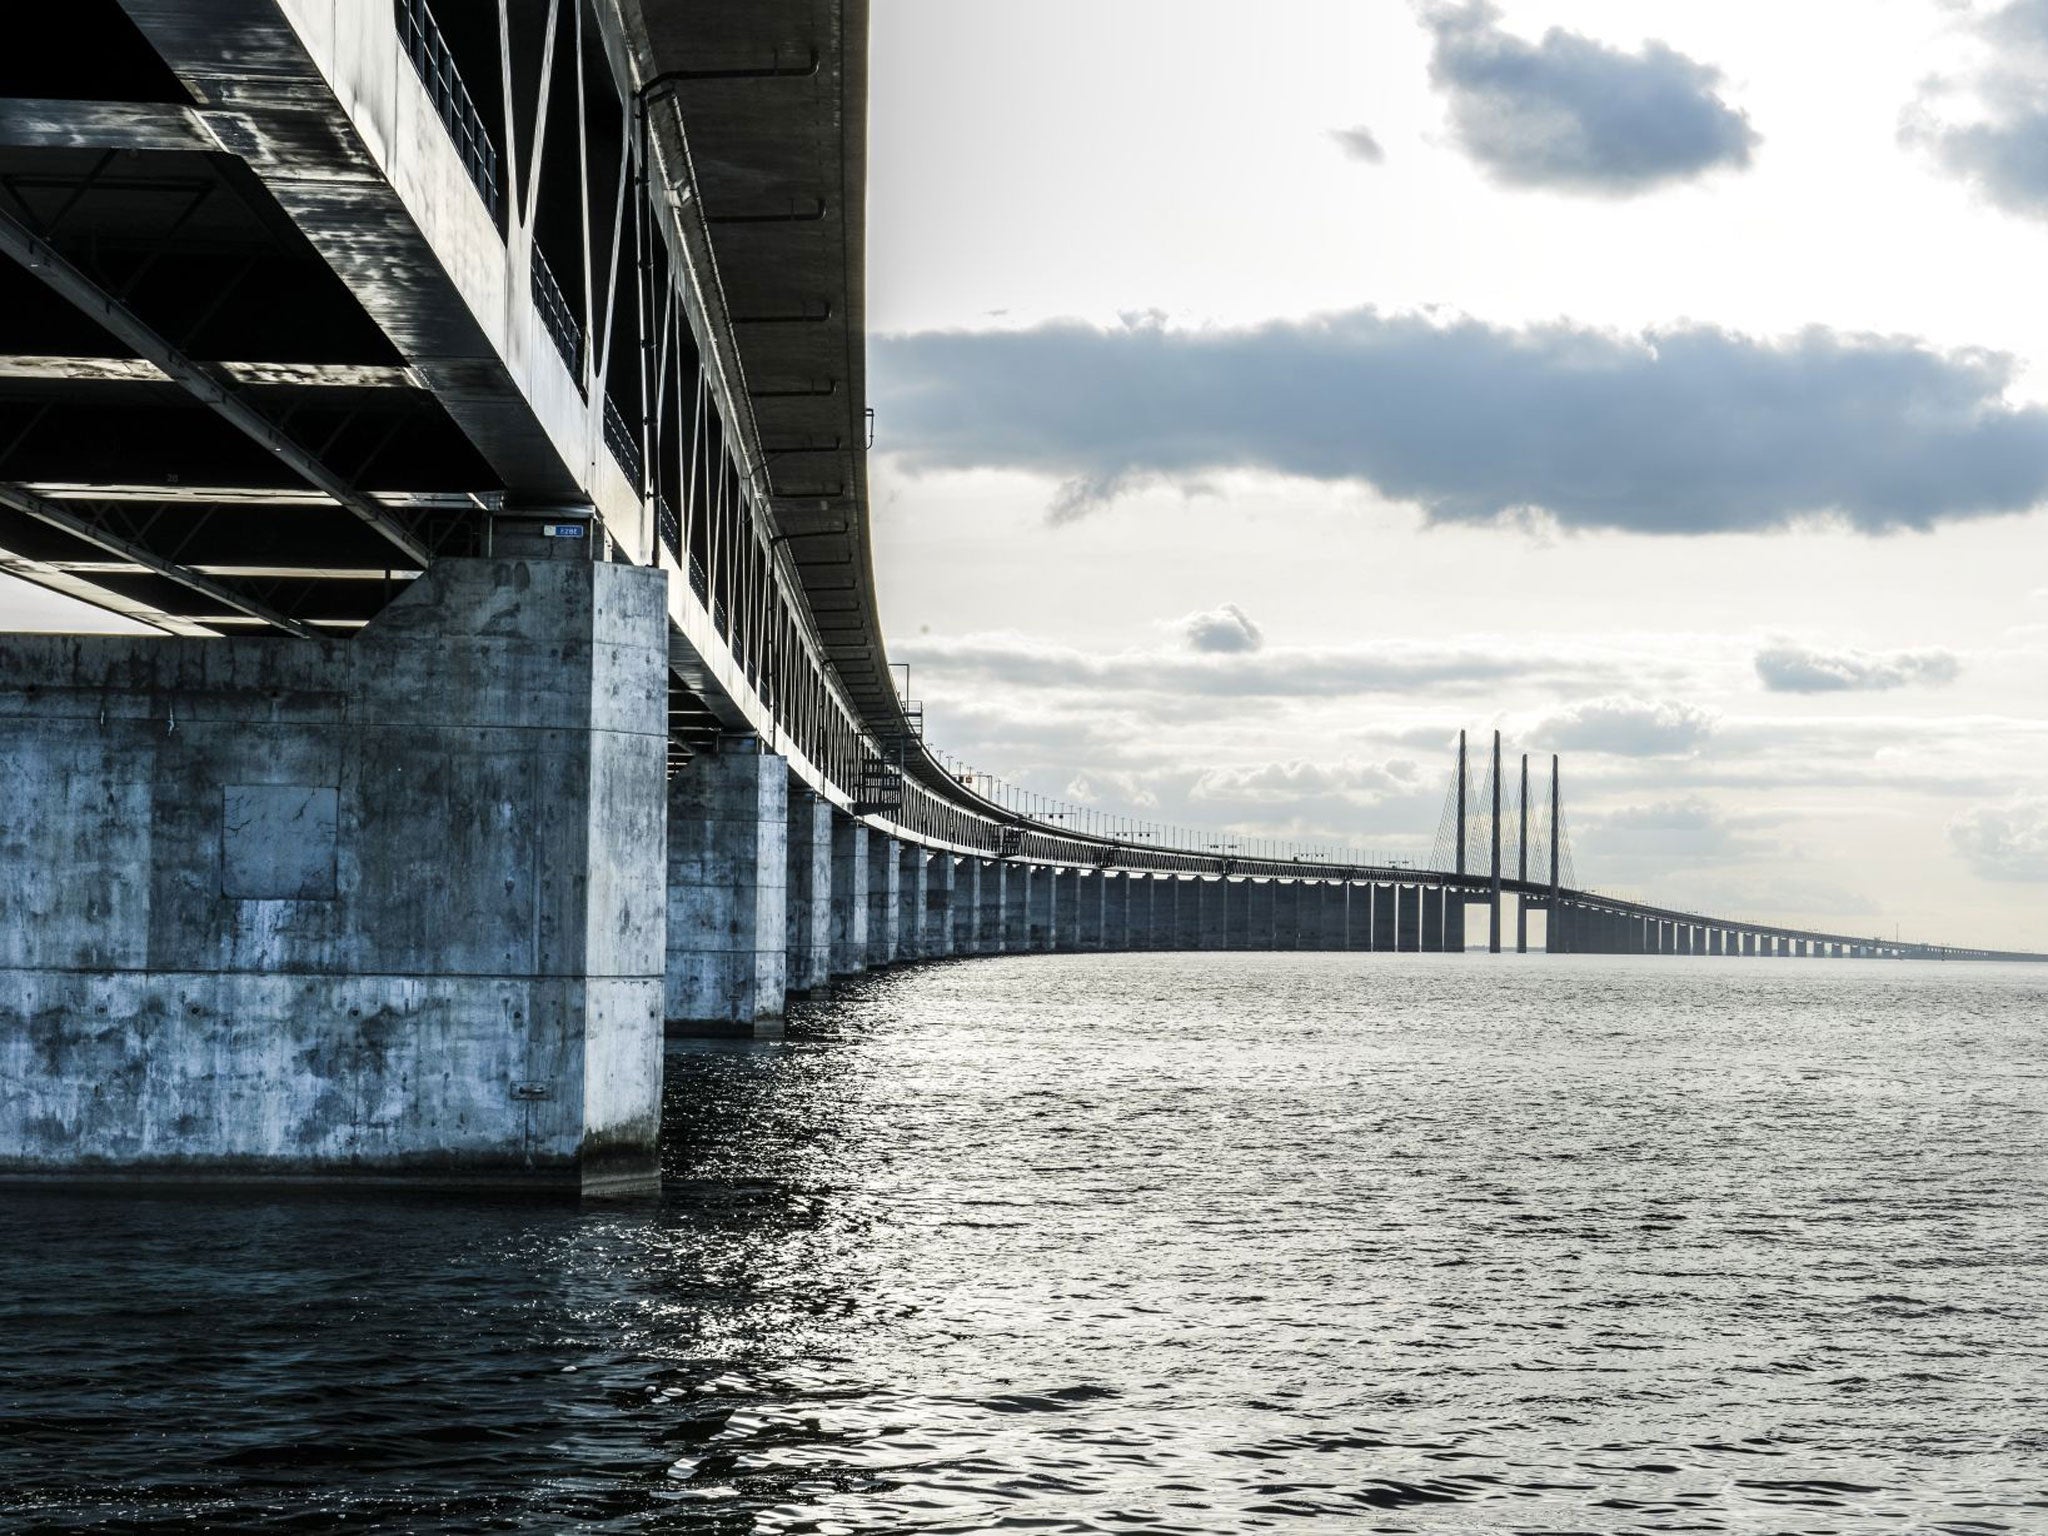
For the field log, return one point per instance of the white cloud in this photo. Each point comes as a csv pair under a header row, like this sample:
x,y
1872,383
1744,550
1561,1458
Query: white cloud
x,y
1788,667
2005,842
1627,727
1225,631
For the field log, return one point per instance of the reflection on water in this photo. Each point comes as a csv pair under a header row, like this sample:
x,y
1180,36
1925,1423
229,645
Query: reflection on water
x,y
1131,1243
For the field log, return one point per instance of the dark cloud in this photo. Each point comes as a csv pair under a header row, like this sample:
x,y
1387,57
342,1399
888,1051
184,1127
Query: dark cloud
x,y
1690,430
1571,113
2003,149
2004,842
1791,668
1222,631
1359,144
1627,728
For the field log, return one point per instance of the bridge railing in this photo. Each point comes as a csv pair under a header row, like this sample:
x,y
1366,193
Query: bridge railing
x,y
557,315
435,63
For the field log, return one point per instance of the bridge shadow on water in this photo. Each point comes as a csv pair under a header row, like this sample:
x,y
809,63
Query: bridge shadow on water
x,y
1108,1242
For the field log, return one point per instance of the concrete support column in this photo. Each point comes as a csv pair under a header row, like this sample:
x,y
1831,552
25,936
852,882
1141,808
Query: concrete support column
x,y
1187,913
1066,910
910,905
384,907
1409,921
1213,902
1237,921
1337,917
996,896
1287,915
1116,911
808,893
1138,911
940,881
1433,920
1385,919
1017,891
1090,911
1041,910
1454,921
1159,926
849,896
967,907
885,900
728,871
1358,918
1259,903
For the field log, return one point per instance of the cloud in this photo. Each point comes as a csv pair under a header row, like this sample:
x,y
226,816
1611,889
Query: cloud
x,y
1689,430
1187,677
1222,631
1575,114
1359,144
2005,842
1293,782
1788,667
1626,727
1990,127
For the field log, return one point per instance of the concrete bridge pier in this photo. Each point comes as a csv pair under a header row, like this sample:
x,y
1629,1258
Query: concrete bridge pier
x,y
1212,905
1454,921
1386,924
885,900
1358,918
1408,922
1287,915
911,900
1337,917
1260,899
807,893
412,884
1433,920
1116,911
993,932
941,876
1042,910
728,872
1238,920
849,896
1017,892
967,889
1089,909
1187,913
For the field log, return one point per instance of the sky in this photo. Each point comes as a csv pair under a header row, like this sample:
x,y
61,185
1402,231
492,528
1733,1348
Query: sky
x,y
1266,393
1664,384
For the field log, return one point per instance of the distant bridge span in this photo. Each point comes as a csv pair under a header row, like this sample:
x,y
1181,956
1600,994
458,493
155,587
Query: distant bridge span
x,y
471,399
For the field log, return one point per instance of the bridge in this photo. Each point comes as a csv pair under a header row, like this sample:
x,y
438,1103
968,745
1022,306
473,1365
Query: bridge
x,y
469,399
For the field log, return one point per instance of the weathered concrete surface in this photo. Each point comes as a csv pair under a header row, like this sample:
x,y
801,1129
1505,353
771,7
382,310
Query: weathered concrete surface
x,y
1116,911
885,895
1213,900
912,905
849,896
967,907
430,948
994,931
940,879
1287,914
1385,928
809,892
1358,917
1040,908
1017,882
728,873
1259,905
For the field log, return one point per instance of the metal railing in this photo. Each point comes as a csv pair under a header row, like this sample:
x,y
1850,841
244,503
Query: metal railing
x,y
557,316
428,49
669,527
624,443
